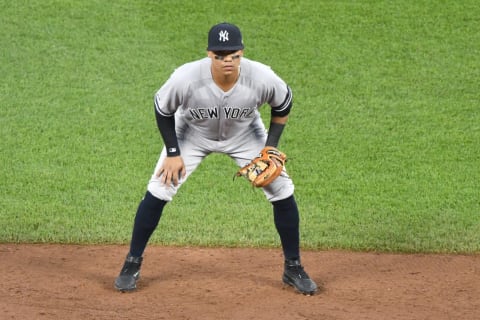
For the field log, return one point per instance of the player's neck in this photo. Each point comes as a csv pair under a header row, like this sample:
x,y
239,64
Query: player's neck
x,y
225,81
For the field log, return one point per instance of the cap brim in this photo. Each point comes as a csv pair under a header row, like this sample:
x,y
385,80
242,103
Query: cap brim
x,y
225,48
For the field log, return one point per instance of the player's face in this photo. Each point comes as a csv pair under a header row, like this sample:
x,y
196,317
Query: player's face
x,y
225,62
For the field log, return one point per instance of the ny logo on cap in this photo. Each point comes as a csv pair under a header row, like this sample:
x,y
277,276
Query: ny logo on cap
x,y
223,35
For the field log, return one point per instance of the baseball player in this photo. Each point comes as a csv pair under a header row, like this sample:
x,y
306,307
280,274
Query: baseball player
x,y
211,105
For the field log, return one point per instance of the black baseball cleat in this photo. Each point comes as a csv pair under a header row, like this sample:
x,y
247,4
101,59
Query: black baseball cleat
x,y
127,280
295,276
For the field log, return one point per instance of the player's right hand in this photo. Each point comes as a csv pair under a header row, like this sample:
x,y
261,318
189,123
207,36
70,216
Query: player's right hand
x,y
171,171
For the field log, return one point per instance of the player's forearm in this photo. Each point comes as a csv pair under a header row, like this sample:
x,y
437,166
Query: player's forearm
x,y
279,120
166,125
277,124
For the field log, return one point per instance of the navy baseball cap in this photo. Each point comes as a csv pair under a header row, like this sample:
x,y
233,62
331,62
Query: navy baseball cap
x,y
224,37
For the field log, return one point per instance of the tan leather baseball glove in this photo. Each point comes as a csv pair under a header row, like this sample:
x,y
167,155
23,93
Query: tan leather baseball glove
x,y
265,168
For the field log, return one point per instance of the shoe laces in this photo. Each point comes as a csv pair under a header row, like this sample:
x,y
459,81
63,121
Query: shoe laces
x,y
298,271
131,267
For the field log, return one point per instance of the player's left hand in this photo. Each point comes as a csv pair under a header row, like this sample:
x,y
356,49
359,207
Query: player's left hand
x,y
171,171
265,168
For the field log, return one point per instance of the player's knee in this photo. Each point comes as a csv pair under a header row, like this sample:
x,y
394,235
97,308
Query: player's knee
x,y
279,189
162,192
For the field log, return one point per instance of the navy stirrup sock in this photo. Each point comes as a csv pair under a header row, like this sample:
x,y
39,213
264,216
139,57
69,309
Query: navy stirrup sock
x,y
146,220
287,221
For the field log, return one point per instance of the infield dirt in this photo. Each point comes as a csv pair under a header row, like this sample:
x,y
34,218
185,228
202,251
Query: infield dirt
x,y
76,282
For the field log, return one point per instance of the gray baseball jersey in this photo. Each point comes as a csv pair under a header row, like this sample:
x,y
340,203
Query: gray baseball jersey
x,y
209,119
213,113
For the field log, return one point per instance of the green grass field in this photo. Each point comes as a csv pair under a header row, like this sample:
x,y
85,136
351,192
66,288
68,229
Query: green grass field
x,y
384,136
